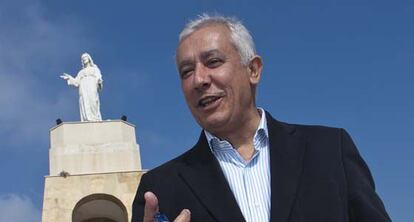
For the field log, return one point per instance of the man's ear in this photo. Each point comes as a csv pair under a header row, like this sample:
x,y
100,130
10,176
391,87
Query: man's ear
x,y
255,68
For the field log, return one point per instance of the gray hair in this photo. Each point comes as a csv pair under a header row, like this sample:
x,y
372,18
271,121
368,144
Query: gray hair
x,y
240,36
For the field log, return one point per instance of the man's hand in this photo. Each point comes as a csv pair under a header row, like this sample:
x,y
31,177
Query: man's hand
x,y
151,208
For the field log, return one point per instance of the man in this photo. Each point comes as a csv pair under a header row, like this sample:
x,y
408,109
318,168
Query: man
x,y
246,165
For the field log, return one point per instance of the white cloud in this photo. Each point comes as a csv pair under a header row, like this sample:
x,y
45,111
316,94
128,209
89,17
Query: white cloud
x,y
17,208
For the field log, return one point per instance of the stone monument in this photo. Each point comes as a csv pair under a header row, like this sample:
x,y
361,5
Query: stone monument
x,y
94,165
88,81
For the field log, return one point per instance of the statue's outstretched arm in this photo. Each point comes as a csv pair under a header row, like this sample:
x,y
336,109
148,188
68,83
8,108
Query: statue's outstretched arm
x,y
70,80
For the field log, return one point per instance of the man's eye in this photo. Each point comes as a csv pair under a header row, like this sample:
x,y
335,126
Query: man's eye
x,y
213,63
185,73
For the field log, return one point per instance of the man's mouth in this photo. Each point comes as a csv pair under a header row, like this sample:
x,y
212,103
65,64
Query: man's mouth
x,y
208,100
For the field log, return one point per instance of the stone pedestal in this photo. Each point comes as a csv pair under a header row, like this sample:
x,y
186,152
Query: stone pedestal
x,y
93,147
95,168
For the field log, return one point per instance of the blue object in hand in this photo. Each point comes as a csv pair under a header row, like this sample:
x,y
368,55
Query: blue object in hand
x,y
160,217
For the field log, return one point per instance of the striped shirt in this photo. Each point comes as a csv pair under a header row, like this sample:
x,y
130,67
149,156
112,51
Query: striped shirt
x,y
248,180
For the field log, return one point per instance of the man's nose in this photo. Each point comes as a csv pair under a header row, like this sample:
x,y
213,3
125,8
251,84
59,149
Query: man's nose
x,y
202,77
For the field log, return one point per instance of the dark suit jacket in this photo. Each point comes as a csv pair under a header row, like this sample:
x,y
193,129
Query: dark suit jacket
x,y
317,175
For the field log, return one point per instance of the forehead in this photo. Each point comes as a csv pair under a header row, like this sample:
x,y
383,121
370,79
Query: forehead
x,y
211,37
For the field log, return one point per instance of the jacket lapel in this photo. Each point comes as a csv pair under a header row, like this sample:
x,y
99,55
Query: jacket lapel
x,y
286,157
205,178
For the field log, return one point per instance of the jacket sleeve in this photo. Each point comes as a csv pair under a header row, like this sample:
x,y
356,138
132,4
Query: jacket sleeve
x,y
139,201
364,204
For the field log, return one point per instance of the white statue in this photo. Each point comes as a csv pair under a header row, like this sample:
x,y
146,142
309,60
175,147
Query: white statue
x,y
89,81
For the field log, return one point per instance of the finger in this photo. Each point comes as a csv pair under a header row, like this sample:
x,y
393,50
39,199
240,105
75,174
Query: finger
x,y
184,216
151,206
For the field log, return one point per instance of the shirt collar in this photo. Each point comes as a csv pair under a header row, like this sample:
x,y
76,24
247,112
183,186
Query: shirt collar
x,y
216,144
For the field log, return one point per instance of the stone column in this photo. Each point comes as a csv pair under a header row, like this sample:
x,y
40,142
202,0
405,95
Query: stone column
x,y
95,168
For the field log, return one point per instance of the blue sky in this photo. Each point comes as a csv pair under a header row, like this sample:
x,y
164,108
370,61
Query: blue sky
x,y
340,63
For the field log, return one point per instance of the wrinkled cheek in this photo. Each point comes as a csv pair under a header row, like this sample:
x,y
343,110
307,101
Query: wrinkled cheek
x,y
187,94
185,87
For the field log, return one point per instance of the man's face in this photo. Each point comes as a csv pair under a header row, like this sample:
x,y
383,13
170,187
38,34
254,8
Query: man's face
x,y
216,85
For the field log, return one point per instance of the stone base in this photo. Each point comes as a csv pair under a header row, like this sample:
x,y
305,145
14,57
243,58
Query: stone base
x,y
93,147
76,198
